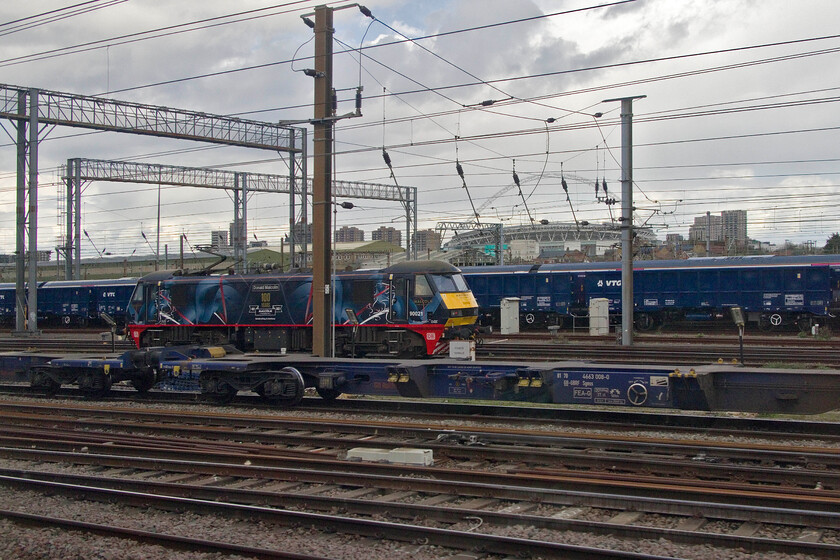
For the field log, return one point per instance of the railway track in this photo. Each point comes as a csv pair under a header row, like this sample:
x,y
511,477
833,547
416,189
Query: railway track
x,y
672,353
552,491
650,349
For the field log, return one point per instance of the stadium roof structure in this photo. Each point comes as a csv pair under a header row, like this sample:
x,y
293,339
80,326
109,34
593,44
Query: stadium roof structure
x,y
550,234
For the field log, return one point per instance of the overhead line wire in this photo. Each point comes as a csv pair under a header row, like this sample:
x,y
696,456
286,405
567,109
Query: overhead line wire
x,y
165,31
54,16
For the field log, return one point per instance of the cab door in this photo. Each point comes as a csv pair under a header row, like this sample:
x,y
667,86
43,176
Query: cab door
x,y
398,299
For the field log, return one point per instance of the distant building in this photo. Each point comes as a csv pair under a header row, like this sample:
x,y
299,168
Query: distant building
x,y
734,225
349,234
427,240
706,228
524,250
388,234
219,239
302,235
234,237
729,229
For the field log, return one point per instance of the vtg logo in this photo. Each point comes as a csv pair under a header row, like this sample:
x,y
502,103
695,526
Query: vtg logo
x,y
609,283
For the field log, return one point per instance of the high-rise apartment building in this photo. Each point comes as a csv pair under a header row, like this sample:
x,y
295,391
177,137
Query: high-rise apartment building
x,y
389,234
427,240
349,234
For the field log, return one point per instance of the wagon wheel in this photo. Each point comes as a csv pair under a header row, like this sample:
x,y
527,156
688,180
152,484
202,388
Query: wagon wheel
x,y
217,391
645,322
41,381
805,324
143,383
291,388
98,392
224,395
49,387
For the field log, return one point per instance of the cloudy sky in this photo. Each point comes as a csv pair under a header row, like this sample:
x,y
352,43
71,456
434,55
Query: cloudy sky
x,y
738,110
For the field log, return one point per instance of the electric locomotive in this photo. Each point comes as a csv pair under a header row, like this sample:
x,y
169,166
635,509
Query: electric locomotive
x,y
410,309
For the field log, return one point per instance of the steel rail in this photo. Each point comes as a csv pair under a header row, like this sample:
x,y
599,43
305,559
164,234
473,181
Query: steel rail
x,y
574,451
462,540
552,488
441,512
162,539
509,413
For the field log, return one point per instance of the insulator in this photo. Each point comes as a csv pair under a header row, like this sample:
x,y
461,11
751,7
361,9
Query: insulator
x,y
459,169
386,157
516,178
596,187
604,185
365,12
564,185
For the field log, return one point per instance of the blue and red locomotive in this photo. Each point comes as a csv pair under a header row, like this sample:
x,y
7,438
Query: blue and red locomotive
x,y
408,309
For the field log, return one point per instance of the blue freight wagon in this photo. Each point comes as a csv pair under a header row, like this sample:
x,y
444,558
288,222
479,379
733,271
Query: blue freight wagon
x,y
73,302
773,291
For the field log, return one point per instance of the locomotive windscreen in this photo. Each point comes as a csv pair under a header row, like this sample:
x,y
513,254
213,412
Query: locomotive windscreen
x,y
447,283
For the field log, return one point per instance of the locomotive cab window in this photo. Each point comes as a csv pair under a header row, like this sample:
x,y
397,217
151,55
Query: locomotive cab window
x,y
138,298
422,289
450,283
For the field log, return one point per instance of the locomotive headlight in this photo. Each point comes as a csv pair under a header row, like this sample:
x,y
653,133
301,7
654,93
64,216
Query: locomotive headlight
x,y
462,308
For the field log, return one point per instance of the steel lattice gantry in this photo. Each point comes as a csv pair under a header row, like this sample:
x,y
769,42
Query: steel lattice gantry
x,y
30,109
79,170
494,234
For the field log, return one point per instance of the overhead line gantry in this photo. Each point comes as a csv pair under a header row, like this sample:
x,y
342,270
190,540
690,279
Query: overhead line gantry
x,y
32,109
79,170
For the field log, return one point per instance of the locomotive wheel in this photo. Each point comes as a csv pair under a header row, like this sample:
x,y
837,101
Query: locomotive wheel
x,y
328,394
